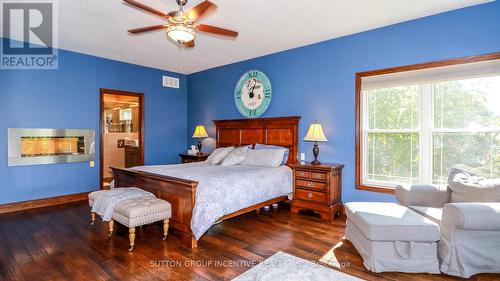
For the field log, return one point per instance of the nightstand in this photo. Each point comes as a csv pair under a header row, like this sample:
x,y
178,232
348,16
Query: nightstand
x,y
317,188
187,158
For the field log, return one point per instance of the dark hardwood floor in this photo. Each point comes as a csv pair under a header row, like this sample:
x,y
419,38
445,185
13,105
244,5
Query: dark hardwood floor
x,y
57,243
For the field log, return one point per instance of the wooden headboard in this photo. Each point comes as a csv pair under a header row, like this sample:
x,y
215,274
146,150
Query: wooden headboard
x,y
282,131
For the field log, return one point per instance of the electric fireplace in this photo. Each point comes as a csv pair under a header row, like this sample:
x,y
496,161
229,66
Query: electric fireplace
x,y
50,146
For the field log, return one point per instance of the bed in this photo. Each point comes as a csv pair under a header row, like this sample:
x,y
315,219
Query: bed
x,y
186,184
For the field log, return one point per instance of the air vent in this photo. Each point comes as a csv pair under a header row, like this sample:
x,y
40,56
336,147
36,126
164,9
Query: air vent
x,y
170,82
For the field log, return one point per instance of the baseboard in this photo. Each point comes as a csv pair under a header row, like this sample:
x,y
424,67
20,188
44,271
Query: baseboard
x,y
44,202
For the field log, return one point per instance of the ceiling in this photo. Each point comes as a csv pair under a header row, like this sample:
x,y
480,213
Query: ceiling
x,y
98,27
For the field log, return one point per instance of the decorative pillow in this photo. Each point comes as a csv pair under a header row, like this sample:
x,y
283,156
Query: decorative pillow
x,y
468,187
264,157
267,146
235,157
218,155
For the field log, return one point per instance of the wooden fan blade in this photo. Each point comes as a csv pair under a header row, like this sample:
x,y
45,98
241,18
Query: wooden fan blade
x,y
216,30
147,8
147,28
189,44
199,10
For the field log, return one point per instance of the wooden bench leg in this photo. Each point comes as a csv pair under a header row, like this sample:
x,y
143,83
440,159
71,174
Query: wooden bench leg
x,y
92,218
165,229
111,224
131,237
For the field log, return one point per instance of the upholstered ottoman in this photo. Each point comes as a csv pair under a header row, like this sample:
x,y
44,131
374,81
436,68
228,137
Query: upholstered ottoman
x,y
141,211
391,237
136,212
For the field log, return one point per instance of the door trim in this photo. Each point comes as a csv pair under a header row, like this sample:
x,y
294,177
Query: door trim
x,y
103,91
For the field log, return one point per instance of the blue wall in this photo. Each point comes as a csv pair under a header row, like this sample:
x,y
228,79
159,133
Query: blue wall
x,y
69,98
317,81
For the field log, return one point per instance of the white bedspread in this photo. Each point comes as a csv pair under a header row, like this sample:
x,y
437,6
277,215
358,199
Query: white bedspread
x,y
104,203
224,190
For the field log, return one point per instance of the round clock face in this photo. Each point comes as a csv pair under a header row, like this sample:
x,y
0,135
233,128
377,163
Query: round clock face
x,y
253,93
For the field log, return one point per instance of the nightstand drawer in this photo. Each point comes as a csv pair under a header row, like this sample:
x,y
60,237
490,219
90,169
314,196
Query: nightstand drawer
x,y
318,176
311,184
310,195
302,174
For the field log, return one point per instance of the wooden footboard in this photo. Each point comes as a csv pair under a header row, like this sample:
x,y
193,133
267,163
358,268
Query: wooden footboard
x,y
180,193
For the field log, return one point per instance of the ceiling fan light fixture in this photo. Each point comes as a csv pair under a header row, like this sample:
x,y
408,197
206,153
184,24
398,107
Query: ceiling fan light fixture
x,y
180,33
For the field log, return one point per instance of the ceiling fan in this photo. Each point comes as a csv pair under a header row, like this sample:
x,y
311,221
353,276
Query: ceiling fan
x,y
181,26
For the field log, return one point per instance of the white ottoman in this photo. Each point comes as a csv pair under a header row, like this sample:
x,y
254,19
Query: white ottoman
x,y
137,212
391,237
141,211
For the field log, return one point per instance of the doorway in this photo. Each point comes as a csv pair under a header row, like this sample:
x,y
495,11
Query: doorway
x,y
121,140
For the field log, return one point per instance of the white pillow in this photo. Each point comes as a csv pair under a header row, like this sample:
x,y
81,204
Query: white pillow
x,y
264,157
468,187
218,155
235,157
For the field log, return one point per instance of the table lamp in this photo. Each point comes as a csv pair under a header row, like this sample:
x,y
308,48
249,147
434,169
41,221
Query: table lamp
x,y
315,134
200,133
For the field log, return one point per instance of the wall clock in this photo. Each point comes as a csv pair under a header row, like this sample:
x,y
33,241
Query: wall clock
x,y
253,93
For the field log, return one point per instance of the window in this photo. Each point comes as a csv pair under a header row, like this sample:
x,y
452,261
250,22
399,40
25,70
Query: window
x,y
415,125
126,114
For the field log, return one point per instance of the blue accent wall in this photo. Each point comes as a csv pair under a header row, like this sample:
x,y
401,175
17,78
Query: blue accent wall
x,y
317,81
69,98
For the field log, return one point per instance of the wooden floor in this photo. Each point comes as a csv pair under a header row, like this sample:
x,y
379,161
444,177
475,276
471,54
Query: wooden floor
x,y
57,243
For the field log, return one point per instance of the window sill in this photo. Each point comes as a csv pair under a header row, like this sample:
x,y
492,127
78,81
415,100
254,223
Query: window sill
x,y
374,188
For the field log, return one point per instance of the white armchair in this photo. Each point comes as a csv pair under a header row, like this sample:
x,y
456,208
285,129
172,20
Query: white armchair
x,y
470,232
423,195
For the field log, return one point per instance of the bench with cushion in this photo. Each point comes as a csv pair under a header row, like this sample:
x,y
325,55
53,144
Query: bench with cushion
x,y
137,212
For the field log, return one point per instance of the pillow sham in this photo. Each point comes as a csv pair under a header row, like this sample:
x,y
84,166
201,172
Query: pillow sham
x,y
235,157
264,157
218,155
468,187
267,146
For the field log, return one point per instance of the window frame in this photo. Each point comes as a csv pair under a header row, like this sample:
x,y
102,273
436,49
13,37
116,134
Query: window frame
x,y
426,117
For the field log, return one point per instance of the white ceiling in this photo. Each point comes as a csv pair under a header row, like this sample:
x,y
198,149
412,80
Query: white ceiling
x,y
98,27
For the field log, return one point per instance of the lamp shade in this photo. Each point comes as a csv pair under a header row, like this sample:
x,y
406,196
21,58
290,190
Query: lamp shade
x,y
180,34
315,133
200,132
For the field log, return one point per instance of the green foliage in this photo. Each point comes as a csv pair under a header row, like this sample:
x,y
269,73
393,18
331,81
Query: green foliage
x,y
472,105
394,108
393,157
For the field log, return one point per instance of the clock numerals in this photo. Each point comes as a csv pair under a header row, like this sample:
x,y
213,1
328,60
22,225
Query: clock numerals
x,y
253,74
238,94
267,93
252,112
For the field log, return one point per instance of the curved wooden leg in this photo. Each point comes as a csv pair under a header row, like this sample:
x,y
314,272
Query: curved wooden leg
x,y
92,218
165,228
111,225
131,237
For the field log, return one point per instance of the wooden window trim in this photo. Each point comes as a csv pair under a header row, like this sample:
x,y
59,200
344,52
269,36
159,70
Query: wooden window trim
x,y
419,66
